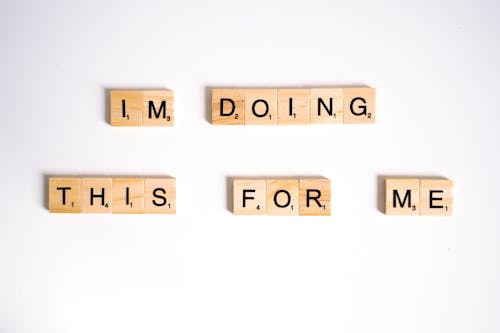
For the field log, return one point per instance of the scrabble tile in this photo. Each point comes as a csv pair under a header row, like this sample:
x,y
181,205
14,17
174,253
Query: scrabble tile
x,y
126,107
249,197
97,195
402,196
65,195
128,195
293,106
327,105
157,108
283,197
359,105
261,106
228,106
314,197
159,195
436,197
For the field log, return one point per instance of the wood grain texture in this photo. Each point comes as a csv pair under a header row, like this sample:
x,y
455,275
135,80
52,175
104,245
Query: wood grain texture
x,y
293,106
97,195
228,106
402,196
65,195
359,105
249,197
159,196
157,108
282,197
261,106
314,197
132,100
327,106
436,197
128,195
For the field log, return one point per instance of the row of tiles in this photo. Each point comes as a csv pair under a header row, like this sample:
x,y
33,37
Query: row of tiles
x,y
302,196
293,106
419,196
141,107
250,106
112,195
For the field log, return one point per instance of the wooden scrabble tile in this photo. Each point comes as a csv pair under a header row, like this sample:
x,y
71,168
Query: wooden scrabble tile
x,y
359,105
128,195
327,105
436,197
65,195
97,195
157,108
126,107
282,197
249,197
261,106
314,197
402,196
228,106
293,106
159,195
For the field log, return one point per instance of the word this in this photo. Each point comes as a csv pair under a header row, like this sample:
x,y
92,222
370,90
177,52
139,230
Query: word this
x,y
112,195
413,196
293,106
142,107
305,197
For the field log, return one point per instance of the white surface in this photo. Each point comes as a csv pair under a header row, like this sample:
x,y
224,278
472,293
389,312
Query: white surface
x,y
435,67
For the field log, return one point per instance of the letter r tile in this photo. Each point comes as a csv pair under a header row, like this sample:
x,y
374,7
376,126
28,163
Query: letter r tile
x,y
314,197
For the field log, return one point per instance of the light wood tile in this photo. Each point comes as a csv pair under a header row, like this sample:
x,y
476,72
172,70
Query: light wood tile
x,y
157,108
97,195
249,197
261,106
402,196
64,195
359,105
228,106
436,197
128,195
126,107
293,106
283,197
314,197
159,195
327,105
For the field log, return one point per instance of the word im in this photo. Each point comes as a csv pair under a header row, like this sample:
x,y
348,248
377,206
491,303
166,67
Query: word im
x,y
142,107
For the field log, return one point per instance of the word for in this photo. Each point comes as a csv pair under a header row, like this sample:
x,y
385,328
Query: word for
x,y
281,196
112,195
142,107
293,106
418,197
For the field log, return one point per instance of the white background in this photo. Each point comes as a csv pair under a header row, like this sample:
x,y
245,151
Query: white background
x,y
436,69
